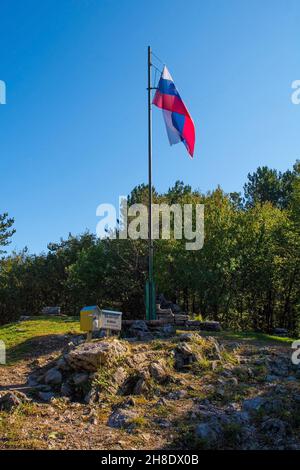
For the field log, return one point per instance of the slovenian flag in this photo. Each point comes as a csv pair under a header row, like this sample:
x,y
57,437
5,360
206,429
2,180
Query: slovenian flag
x,y
179,124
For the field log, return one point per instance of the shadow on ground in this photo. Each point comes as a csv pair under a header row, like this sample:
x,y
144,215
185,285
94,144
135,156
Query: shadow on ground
x,y
37,347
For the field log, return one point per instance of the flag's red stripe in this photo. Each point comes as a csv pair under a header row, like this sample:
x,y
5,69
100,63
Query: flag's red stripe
x,y
188,134
170,103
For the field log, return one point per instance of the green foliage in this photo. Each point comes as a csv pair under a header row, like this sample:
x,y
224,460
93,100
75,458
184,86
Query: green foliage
x,y
139,422
103,379
198,317
203,364
269,185
6,230
246,275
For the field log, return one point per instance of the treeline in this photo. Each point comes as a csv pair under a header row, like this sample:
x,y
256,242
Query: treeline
x,y
246,275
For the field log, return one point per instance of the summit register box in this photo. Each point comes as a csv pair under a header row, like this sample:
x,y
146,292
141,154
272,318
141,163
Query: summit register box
x,y
90,318
110,320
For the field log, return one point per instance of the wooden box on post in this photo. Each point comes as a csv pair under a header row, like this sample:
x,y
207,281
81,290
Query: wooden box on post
x,y
90,318
110,320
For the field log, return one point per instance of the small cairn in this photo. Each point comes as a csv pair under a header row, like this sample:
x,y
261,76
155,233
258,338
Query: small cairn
x,y
169,311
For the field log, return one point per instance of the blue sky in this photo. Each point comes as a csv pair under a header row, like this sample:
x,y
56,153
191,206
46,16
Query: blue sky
x,y
73,133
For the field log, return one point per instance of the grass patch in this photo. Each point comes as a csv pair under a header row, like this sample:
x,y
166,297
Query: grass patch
x,y
139,422
245,336
200,366
157,345
164,410
15,433
229,358
103,379
17,336
27,409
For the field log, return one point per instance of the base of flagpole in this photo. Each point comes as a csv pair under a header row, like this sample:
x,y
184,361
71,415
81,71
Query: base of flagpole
x,y
150,301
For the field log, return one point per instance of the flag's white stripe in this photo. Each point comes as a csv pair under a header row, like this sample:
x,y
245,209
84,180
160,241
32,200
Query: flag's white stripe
x,y
166,74
173,134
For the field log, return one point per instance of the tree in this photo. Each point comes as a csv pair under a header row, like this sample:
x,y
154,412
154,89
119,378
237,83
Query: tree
x,y
263,186
6,231
246,275
269,185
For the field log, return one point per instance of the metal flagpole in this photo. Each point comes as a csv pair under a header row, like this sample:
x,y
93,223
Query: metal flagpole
x,y
151,311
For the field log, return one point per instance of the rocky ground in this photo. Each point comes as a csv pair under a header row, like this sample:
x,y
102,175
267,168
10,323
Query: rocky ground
x,y
151,390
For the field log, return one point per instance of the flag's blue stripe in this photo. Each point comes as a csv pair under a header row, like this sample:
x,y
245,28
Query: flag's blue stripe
x,y
167,87
178,122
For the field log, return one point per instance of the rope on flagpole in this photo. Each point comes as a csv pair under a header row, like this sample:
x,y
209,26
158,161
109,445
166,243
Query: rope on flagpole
x,y
156,68
163,63
155,75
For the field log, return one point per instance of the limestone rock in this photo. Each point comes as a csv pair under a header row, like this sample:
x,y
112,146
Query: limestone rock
x,y
253,404
127,403
46,396
91,356
115,382
43,388
135,384
205,326
166,330
275,427
184,356
80,378
241,417
122,418
119,377
141,386
209,432
162,304
159,372
32,382
163,422
274,405
66,390
186,337
92,396
53,377
140,330
280,366
10,400
61,364
214,352
161,402
177,395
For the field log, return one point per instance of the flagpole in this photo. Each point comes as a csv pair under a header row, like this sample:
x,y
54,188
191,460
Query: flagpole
x,y
150,241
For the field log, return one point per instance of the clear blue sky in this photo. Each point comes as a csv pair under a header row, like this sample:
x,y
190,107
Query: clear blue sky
x,y
73,133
